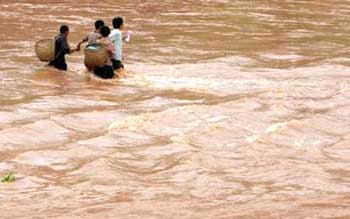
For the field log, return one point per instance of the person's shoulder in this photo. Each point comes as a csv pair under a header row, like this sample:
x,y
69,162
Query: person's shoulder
x,y
60,38
115,32
91,34
113,35
95,34
107,40
110,42
104,41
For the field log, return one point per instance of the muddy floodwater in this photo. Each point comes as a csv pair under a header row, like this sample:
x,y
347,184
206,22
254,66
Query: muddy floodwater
x,y
232,109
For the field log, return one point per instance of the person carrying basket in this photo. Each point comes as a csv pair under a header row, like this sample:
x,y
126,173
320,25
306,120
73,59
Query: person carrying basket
x,y
61,49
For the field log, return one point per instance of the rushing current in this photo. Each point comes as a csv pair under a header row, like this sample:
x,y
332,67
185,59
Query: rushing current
x,y
230,109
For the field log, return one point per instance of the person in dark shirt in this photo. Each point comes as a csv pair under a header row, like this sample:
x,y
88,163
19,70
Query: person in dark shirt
x,y
61,49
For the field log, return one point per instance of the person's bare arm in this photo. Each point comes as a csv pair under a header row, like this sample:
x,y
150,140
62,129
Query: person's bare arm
x,y
81,42
74,50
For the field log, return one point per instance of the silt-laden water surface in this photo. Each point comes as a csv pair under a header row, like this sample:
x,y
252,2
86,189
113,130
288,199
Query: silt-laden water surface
x,y
231,109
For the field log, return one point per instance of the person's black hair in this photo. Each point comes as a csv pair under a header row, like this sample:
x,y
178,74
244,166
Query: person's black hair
x,y
64,28
99,24
118,22
105,31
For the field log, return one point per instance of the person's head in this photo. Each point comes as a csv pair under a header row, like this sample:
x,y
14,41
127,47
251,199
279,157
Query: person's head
x,y
64,30
118,23
105,31
99,24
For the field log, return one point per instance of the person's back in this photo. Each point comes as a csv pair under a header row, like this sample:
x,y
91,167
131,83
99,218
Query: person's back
x,y
93,36
110,49
106,72
61,49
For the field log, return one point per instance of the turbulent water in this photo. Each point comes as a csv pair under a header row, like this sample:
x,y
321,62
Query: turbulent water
x,y
231,109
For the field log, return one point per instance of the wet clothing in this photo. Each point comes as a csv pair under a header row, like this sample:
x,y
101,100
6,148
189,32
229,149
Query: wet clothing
x,y
92,37
110,49
116,37
61,49
117,64
106,72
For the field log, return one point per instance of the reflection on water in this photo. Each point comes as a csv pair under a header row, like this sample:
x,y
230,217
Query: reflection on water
x,y
232,109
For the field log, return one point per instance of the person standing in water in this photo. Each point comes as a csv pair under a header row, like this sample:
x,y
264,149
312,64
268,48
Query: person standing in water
x,y
106,72
117,38
95,35
61,49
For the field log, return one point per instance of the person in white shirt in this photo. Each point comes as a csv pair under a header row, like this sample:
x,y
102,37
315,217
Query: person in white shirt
x,y
117,38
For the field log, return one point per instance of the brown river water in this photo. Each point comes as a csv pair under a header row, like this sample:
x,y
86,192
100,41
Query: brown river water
x,y
230,109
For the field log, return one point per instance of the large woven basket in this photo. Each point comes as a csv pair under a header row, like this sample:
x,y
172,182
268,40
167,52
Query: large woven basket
x,y
45,50
95,55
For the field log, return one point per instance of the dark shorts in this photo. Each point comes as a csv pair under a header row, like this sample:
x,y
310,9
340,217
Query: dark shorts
x,y
60,65
117,64
105,72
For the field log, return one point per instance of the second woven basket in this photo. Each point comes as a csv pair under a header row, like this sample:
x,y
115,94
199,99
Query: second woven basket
x,y
95,55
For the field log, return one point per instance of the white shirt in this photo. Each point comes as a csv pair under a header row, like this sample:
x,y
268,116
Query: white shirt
x,y
116,38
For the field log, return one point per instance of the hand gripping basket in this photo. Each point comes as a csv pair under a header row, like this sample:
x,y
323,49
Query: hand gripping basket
x,y
95,55
45,50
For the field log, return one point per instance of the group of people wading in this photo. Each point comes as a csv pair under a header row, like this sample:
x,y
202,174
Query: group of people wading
x,y
112,39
